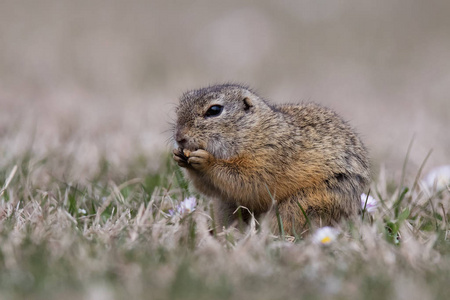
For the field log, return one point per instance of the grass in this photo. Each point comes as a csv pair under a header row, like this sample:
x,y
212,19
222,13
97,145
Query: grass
x,y
111,236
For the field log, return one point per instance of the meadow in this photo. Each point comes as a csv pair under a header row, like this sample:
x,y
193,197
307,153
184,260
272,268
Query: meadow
x,y
93,207
129,235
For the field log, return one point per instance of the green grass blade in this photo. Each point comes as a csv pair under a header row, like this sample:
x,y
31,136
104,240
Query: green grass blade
x,y
305,215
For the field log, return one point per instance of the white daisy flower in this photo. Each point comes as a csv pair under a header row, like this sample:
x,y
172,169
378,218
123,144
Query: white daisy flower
x,y
325,235
371,205
438,178
185,207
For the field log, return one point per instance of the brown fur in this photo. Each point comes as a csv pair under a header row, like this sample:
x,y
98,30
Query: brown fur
x,y
255,151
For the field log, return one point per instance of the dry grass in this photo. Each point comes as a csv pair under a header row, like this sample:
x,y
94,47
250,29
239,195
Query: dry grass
x,y
112,237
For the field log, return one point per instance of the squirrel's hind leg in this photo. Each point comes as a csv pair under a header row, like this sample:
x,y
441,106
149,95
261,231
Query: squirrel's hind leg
x,y
298,218
227,213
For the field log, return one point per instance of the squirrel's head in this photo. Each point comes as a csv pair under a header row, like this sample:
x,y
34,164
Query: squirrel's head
x,y
221,119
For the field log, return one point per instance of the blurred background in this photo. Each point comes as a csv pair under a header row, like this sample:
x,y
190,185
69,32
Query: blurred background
x,y
94,79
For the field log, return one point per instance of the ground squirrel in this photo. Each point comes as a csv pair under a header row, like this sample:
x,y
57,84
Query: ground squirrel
x,y
243,151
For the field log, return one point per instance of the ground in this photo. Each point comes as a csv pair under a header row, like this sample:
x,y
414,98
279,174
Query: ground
x,y
146,235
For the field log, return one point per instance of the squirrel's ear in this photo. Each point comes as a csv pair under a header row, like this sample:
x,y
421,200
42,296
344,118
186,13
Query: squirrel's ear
x,y
247,103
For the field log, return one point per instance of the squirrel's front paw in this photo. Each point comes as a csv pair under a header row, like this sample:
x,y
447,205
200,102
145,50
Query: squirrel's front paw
x,y
200,160
179,155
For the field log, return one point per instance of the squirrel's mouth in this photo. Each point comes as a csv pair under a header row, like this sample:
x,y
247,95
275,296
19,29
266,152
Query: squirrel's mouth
x,y
190,146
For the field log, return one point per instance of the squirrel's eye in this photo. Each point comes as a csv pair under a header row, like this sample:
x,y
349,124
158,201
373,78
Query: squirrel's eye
x,y
214,111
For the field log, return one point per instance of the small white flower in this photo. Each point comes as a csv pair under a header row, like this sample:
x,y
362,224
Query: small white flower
x,y
325,235
185,207
371,205
82,211
438,178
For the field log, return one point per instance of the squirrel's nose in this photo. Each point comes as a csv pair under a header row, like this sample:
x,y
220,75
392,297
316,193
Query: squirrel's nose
x,y
181,140
182,143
